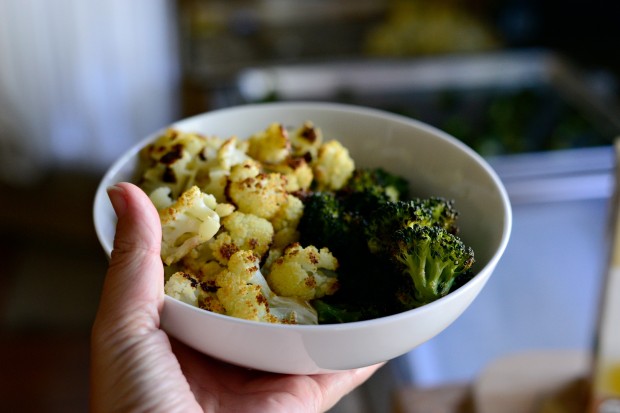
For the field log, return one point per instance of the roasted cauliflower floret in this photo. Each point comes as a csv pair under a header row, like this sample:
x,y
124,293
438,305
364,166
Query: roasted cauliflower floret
x,y
187,223
305,273
249,168
244,293
213,176
333,166
161,197
270,146
202,263
172,161
232,152
306,140
285,222
242,231
297,172
262,195
289,214
185,287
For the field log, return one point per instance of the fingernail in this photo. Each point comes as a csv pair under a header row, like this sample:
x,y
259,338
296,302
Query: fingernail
x,y
117,197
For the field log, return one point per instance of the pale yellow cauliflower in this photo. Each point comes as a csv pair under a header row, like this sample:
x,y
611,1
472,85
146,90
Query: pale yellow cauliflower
x,y
228,205
262,195
333,166
306,140
241,231
285,222
297,171
186,288
270,146
187,223
172,161
305,273
244,293
161,197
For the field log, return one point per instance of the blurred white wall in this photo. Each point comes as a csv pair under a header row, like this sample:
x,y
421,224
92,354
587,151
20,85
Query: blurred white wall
x,y
82,80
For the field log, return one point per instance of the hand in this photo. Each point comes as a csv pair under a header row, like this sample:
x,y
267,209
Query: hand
x,y
135,366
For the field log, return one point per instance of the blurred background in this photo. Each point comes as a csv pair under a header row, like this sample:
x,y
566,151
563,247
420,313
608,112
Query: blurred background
x,y
530,85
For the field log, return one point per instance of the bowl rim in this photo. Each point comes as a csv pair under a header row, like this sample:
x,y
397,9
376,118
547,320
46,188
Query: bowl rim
x,y
101,197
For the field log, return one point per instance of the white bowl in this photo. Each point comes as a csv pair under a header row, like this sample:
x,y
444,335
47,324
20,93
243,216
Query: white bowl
x,y
434,162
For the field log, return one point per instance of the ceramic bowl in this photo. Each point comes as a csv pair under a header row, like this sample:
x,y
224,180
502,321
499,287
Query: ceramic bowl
x,y
434,162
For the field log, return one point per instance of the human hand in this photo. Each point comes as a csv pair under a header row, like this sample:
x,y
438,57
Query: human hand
x,y
135,366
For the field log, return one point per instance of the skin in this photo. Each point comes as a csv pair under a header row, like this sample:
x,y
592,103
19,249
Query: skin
x,y
136,367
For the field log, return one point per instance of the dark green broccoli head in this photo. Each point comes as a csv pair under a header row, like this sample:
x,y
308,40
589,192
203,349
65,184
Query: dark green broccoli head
x,y
393,216
333,313
441,212
326,223
369,188
432,258
378,179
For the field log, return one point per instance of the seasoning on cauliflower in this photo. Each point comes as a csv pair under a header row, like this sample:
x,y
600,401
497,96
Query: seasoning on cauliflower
x,y
172,161
270,146
244,293
262,195
306,273
249,168
306,140
241,231
185,287
285,222
212,177
333,166
187,223
201,262
297,172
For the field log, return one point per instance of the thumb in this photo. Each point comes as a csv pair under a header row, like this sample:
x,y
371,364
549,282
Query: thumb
x,y
133,287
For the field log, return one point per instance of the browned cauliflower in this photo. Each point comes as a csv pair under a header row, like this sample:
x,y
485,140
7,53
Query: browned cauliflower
x,y
241,231
186,288
213,178
333,166
172,161
187,223
228,205
306,140
306,273
244,293
285,222
262,195
297,172
270,146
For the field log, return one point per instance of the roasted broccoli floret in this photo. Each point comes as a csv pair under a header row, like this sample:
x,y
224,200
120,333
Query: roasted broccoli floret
x,y
432,258
392,216
325,223
334,313
370,188
442,212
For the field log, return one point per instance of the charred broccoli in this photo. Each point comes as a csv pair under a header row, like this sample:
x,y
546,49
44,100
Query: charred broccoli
x,y
432,258
394,253
327,223
392,216
368,189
